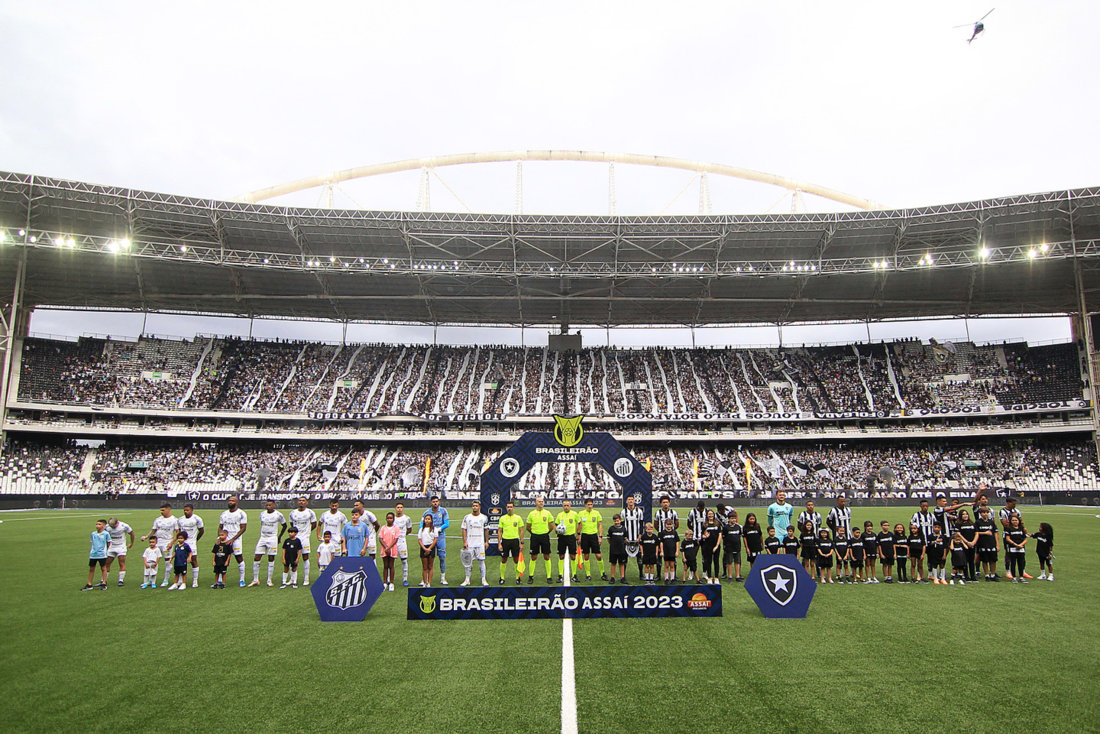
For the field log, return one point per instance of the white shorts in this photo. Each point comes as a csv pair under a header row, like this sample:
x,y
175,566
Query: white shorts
x,y
165,549
305,546
237,547
479,552
267,546
113,552
194,546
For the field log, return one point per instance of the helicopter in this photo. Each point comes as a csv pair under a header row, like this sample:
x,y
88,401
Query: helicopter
x,y
978,27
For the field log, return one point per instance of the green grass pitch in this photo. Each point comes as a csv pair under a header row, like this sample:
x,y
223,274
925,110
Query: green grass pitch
x,y
985,658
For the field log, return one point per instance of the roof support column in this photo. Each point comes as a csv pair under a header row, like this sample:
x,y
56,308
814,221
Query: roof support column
x,y
14,323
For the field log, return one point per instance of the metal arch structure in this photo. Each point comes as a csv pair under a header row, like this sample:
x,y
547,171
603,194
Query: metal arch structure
x,y
581,156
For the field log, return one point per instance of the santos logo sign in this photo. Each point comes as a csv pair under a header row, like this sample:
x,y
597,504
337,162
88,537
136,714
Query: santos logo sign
x,y
347,589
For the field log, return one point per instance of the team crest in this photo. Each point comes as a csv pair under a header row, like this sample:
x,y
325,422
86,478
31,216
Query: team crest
x,y
494,499
509,467
781,583
568,431
347,589
624,467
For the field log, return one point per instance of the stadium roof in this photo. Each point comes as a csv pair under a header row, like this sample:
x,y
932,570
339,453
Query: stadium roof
x,y
103,247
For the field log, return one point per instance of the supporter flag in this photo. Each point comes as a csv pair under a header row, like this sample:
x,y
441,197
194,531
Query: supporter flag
x,y
707,468
410,476
799,468
822,471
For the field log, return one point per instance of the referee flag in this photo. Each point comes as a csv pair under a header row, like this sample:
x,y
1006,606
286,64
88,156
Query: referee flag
x,y
521,565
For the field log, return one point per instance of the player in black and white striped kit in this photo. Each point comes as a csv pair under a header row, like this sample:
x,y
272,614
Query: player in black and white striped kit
x,y
809,515
697,519
924,520
840,517
634,522
665,513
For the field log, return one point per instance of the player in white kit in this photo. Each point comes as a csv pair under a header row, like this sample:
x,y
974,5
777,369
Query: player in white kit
x,y
305,520
191,524
405,523
118,546
234,522
333,521
164,529
475,533
368,518
272,527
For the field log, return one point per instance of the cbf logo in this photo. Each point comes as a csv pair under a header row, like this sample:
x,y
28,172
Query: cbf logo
x,y
568,431
494,499
347,590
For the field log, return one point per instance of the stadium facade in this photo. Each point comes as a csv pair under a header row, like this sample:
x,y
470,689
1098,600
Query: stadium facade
x,y
722,412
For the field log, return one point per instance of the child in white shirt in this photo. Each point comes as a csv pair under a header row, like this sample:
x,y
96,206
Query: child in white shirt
x,y
326,551
151,557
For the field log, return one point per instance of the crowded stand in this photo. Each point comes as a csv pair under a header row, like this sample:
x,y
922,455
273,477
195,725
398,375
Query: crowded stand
x,y
300,377
682,469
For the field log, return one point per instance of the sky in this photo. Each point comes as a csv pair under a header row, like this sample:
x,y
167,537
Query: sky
x,y
881,100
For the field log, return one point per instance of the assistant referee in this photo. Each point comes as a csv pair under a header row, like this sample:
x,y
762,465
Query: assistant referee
x,y
538,525
511,539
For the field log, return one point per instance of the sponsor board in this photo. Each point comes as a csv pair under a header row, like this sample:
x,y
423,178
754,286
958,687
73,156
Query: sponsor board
x,y
560,602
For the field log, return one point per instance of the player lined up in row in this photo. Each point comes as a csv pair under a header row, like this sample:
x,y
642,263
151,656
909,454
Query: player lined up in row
x,y
174,543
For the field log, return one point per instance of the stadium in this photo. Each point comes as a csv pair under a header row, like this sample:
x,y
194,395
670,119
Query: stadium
x,y
623,390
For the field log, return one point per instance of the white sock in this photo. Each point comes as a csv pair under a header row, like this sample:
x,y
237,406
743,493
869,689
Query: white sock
x,y
305,577
270,571
240,567
194,575
284,577
404,569
256,571
481,565
167,573
294,577
121,576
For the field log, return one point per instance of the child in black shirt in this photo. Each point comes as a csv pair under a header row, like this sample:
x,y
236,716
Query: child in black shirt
x,y
842,547
222,551
1016,539
772,544
670,550
616,548
790,543
958,558
855,548
886,551
754,537
808,541
870,551
915,541
937,547
689,549
292,548
987,543
825,552
901,551
1044,544
650,548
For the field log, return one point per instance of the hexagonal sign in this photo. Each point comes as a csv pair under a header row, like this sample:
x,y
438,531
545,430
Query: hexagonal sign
x,y
780,586
347,589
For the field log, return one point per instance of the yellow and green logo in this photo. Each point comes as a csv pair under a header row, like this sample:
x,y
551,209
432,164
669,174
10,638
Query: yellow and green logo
x,y
568,431
427,604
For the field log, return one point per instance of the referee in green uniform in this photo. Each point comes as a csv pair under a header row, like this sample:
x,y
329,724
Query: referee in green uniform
x,y
510,540
591,532
538,525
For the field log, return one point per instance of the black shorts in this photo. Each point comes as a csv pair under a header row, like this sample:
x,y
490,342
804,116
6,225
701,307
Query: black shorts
x,y
826,562
887,561
221,570
509,548
751,556
567,542
731,556
958,559
857,564
616,559
1044,559
93,561
540,544
427,553
987,555
590,543
291,563
649,560
180,570
689,565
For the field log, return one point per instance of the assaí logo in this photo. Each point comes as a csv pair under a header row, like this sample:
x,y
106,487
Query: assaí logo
x,y
568,431
699,601
427,604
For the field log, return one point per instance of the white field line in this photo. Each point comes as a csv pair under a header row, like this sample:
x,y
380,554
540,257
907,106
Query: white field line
x,y
568,674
